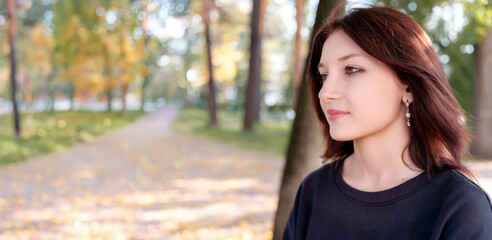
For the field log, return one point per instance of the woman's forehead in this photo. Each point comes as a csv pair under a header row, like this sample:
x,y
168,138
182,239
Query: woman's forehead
x,y
340,47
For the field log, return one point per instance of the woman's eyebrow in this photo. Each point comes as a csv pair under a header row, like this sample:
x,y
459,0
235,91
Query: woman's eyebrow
x,y
343,58
349,56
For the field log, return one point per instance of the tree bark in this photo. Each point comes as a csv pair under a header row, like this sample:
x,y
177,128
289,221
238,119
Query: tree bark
x,y
145,83
52,96
212,106
483,100
306,142
51,87
109,96
253,96
13,65
146,80
71,94
27,97
124,93
109,76
299,58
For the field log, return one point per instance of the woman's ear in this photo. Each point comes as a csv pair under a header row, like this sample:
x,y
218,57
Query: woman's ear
x,y
407,95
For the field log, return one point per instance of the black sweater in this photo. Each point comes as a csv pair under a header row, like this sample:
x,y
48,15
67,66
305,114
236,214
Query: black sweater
x,y
445,206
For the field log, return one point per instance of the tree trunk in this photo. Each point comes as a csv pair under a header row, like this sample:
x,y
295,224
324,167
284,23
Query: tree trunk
x,y
13,65
109,96
123,98
71,94
483,100
146,80
52,95
211,85
109,81
27,97
51,86
299,58
145,83
306,142
253,96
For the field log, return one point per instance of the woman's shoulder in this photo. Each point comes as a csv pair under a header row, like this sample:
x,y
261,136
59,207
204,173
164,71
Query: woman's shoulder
x,y
462,190
324,173
460,182
464,203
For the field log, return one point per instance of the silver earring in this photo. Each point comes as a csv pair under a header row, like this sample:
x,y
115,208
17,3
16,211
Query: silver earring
x,y
407,115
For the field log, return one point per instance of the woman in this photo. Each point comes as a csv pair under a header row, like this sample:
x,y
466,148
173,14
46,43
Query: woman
x,y
395,133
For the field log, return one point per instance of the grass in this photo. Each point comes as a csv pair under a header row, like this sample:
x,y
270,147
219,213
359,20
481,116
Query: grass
x,y
45,133
268,137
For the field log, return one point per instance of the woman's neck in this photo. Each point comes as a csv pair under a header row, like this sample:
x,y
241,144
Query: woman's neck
x,y
378,164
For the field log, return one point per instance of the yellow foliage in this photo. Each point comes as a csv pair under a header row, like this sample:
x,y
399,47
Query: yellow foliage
x,y
202,76
39,55
225,60
40,39
144,70
4,78
126,78
97,82
82,32
87,74
101,58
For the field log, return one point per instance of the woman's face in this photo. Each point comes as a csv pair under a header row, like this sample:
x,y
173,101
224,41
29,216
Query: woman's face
x,y
360,96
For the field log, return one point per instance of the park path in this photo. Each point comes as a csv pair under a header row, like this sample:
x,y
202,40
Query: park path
x,y
145,181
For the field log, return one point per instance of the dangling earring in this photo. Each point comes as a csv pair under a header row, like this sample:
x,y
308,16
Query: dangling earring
x,y
407,115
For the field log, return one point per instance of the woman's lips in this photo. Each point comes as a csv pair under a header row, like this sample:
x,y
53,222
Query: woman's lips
x,y
334,114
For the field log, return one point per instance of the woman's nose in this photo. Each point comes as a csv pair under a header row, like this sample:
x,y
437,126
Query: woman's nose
x,y
330,90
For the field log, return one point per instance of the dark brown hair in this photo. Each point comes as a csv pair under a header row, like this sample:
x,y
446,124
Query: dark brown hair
x,y
438,134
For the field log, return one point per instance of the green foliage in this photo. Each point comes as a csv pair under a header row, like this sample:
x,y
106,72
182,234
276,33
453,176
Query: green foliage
x,y
269,137
478,19
48,133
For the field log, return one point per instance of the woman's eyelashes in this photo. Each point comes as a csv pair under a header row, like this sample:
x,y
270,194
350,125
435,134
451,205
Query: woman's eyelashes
x,y
348,70
351,70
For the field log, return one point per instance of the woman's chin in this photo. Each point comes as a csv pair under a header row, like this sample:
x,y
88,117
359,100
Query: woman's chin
x,y
340,137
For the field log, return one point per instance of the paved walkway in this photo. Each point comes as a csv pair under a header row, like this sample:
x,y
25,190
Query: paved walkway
x,y
483,172
146,182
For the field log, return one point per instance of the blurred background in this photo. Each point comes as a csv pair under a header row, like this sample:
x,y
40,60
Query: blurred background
x,y
221,71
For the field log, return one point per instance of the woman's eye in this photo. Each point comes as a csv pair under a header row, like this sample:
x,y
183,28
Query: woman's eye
x,y
351,70
323,77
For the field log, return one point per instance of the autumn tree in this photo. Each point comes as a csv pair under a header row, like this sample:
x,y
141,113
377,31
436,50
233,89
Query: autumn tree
x,y
32,66
37,79
13,64
98,47
149,46
143,40
119,52
110,82
305,145
71,39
